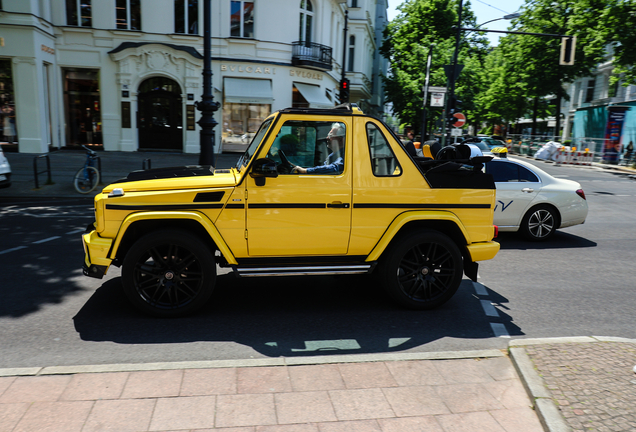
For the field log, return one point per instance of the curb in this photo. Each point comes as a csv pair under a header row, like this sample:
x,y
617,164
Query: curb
x,y
547,410
280,361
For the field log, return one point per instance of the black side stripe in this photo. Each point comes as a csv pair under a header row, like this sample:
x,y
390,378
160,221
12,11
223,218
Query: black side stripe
x,y
235,206
163,207
420,206
287,206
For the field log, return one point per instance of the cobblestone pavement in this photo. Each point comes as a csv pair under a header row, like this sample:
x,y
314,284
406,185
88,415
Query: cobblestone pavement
x,y
593,384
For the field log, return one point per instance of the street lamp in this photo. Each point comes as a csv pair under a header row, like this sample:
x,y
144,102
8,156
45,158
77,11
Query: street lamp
x,y
207,105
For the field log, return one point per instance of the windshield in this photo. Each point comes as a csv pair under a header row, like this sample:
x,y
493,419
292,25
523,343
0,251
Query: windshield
x,y
244,160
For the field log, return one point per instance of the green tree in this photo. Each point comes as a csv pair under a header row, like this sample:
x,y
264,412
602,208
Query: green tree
x,y
531,63
407,39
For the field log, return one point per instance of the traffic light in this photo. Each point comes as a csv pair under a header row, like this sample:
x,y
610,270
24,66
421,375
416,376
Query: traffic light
x,y
344,90
568,45
455,106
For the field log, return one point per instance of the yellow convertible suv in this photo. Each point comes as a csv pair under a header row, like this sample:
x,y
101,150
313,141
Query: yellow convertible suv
x,y
318,192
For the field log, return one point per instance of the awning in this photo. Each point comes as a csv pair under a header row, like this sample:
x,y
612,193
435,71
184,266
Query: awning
x,y
243,90
314,96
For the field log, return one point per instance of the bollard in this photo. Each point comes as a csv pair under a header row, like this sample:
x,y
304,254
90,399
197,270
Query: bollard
x,y
49,181
143,164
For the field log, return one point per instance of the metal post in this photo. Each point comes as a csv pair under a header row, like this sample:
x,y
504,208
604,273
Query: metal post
x,y
207,106
453,74
344,56
429,59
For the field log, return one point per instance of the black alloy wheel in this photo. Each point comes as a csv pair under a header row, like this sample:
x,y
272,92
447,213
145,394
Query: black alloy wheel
x,y
169,273
422,270
539,223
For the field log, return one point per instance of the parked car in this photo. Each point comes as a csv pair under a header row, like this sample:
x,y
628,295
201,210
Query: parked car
x,y
532,201
317,192
5,171
490,142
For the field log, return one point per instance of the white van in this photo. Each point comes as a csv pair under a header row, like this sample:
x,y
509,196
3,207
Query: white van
x,y
5,171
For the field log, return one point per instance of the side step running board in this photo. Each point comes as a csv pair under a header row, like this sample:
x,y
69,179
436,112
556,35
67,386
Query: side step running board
x,y
303,270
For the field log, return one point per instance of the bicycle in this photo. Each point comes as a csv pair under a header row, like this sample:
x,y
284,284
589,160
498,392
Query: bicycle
x,y
87,178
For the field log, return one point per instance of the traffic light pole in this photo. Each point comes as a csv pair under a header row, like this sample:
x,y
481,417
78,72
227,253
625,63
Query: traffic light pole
x,y
344,96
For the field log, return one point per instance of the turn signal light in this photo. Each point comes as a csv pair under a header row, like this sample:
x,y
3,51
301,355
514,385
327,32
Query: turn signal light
x,y
497,229
580,193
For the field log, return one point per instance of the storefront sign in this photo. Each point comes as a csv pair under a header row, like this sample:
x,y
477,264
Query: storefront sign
x,y
190,117
613,132
305,74
249,69
48,49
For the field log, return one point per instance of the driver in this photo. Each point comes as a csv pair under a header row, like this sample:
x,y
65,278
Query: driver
x,y
335,161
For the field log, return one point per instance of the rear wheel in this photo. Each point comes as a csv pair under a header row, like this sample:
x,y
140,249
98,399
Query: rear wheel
x,y
86,179
539,223
169,273
422,270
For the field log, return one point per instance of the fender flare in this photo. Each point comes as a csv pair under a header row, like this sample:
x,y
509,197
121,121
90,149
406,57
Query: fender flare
x,y
414,216
198,217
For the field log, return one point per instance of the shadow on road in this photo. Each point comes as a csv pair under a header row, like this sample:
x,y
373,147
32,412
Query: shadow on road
x,y
292,317
560,240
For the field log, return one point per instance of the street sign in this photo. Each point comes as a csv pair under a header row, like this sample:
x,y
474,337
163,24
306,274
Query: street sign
x,y
432,89
461,120
456,132
437,99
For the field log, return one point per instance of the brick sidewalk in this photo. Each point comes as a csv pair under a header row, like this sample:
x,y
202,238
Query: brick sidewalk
x,y
593,384
387,396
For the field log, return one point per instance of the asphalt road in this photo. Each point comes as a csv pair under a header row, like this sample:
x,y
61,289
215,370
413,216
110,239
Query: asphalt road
x,y
580,283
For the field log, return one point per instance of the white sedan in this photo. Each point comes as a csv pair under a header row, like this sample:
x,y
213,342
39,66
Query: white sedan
x,y
532,201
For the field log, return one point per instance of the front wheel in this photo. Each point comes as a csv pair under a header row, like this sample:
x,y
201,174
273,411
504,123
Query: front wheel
x,y
422,270
86,179
169,273
539,223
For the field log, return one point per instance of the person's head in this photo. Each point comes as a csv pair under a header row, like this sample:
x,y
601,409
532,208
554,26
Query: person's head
x,y
410,135
336,136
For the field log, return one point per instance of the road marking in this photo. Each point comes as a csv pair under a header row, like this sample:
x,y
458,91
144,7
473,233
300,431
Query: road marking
x,y
499,330
489,309
12,249
46,240
480,289
75,231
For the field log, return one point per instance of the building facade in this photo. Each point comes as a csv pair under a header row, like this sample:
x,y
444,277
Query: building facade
x,y
599,115
124,75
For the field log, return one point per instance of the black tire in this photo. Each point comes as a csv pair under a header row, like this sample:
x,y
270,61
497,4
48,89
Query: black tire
x,y
83,184
169,273
422,270
539,223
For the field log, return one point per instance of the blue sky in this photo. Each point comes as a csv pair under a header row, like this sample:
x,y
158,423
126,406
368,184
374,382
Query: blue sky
x,y
485,10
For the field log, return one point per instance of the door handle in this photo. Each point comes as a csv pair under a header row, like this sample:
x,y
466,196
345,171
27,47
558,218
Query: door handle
x,y
338,204
527,190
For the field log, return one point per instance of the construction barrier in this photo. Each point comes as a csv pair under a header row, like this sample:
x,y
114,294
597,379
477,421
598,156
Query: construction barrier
x,y
573,157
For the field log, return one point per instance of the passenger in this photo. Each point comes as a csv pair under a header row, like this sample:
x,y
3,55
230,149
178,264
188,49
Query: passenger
x,y
409,146
335,161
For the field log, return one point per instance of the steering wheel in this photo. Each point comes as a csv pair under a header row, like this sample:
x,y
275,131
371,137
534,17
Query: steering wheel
x,y
286,166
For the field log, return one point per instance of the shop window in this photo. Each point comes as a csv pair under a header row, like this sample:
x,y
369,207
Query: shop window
x,y
82,103
128,14
79,13
306,21
352,52
186,16
7,104
242,19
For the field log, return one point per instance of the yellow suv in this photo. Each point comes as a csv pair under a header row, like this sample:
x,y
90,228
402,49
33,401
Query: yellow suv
x,y
318,192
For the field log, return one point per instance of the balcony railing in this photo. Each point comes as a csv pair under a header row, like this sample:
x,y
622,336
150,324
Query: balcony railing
x,y
311,54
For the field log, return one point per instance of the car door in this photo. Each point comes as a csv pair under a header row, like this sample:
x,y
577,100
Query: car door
x,y
517,188
301,214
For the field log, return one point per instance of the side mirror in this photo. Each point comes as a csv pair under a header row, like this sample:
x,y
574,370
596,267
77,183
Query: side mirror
x,y
262,169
